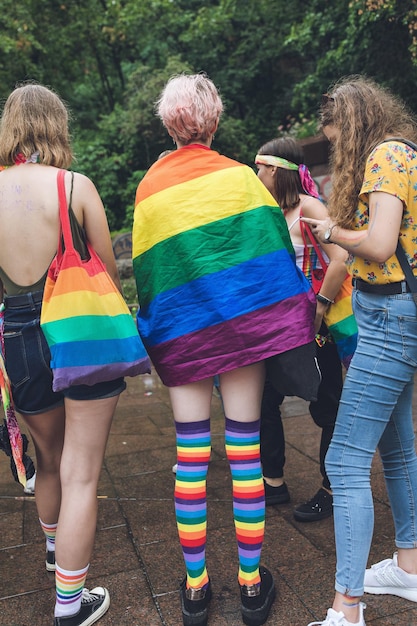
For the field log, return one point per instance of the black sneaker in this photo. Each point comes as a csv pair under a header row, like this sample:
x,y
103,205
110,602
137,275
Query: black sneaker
x,y
276,495
50,561
194,604
94,604
256,600
319,507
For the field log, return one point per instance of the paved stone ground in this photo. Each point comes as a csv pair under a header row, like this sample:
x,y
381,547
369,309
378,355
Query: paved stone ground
x,y
137,555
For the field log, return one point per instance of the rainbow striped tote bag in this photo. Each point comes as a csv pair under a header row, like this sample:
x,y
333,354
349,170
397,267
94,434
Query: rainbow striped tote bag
x,y
339,317
87,324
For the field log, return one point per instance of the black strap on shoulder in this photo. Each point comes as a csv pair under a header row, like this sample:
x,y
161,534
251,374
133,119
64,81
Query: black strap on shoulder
x,y
407,142
400,252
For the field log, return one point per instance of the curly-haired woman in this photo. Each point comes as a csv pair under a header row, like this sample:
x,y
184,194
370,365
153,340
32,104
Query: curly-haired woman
x,y
373,204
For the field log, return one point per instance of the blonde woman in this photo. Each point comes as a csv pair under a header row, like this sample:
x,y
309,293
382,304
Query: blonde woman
x,y
69,429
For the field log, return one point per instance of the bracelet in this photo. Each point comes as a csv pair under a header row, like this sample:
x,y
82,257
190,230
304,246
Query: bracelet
x,y
324,300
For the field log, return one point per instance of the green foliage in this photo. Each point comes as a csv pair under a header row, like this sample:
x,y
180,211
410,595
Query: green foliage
x,y
129,290
271,61
127,142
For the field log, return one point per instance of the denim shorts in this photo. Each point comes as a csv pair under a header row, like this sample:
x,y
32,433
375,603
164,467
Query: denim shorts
x,y
28,357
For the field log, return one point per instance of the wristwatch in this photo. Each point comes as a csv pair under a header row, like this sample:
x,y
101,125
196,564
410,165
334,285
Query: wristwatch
x,y
328,234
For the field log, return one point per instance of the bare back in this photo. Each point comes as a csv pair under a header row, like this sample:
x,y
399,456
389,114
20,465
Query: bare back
x,y
29,223
29,220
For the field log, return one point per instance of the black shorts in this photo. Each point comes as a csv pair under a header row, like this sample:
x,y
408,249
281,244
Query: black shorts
x,y
28,357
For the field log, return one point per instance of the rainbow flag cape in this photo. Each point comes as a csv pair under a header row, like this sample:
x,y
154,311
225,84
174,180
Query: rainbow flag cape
x,y
215,271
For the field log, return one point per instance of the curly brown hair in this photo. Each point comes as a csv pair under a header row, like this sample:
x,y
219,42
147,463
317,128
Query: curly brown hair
x,y
364,114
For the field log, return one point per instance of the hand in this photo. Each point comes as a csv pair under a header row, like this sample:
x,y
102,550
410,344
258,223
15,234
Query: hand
x,y
320,310
318,227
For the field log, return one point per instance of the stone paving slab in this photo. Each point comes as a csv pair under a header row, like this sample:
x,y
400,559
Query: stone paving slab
x,y
137,554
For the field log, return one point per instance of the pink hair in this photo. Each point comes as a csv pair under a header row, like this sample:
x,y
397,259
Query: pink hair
x,y
190,107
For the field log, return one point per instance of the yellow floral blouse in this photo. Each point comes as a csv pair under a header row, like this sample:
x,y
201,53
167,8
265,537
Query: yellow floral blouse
x,y
392,168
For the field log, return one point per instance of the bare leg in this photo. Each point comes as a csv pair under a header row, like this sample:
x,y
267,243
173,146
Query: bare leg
x,y
191,408
192,402
86,432
348,605
47,432
407,560
242,391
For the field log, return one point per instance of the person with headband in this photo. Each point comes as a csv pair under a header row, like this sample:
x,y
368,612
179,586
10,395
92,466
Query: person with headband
x,y
214,301
281,169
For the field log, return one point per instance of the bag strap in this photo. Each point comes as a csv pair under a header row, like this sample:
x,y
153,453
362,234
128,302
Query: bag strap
x,y
400,252
306,233
406,268
63,213
407,142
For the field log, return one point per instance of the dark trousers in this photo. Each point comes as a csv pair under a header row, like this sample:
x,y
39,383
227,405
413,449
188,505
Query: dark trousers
x,y
323,412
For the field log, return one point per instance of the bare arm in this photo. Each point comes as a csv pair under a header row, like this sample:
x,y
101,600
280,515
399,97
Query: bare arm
x,y
90,211
336,271
379,241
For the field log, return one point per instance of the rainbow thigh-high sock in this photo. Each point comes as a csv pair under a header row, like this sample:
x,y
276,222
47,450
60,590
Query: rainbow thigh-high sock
x,y
243,451
193,455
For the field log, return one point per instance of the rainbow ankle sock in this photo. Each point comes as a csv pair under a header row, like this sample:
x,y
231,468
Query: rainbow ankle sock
x,y
193,455
49,531
69,588
243,451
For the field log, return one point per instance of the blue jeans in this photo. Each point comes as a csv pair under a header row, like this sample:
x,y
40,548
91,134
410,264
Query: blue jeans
x,y
375,411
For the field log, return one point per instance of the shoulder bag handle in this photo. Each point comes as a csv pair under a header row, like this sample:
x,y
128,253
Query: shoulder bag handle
x,y
63,213
306,233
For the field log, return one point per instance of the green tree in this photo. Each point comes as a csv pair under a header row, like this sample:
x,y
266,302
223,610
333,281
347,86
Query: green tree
x,y
109,59
371,37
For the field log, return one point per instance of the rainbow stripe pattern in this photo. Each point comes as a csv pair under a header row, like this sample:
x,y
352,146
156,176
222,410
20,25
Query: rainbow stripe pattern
x,y
49,531
243,452
193,455
87,324
69,588
341,323
215,271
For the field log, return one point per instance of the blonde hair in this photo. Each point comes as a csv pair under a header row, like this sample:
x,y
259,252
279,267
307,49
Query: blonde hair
x,y
35,119
364,114
190,107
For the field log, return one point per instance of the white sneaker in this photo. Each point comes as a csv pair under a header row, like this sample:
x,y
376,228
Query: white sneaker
x,y
30,485
335,618
387,578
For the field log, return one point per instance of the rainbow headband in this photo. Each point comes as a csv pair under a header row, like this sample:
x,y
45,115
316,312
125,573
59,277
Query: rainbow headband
x,y
269,159
307,182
